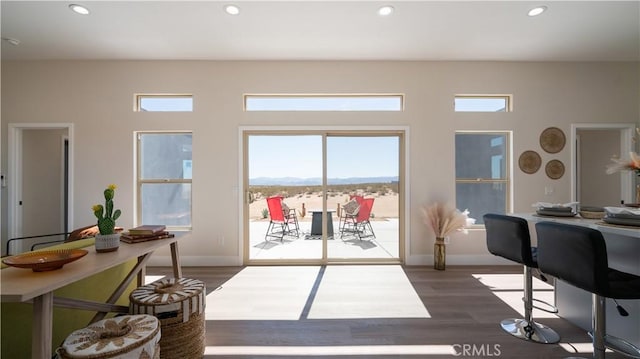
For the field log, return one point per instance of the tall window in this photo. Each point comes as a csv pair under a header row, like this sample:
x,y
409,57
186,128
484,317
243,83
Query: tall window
x,y
164,179
482,173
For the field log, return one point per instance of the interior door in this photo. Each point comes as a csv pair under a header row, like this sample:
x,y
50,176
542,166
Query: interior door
x,y
44,160
595,147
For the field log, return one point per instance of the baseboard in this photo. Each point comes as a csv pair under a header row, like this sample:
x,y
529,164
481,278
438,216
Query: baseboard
x,y
460,259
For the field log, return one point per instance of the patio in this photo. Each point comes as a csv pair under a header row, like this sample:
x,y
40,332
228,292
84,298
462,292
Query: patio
x,y
385,245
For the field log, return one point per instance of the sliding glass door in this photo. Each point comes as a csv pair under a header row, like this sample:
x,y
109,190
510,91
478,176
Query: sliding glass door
x,y
363,188
289,167
318,196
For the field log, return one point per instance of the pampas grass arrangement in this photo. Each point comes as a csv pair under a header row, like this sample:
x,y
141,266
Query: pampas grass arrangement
x,y
444,220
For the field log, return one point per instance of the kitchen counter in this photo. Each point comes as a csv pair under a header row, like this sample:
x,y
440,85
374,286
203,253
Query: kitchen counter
x,y
623,253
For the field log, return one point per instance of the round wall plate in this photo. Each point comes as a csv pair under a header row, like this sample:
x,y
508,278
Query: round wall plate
x,y
552,140
529,162
554,169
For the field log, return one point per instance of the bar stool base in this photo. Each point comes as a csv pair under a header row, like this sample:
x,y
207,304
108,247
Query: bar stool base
x,y
535,332
620,345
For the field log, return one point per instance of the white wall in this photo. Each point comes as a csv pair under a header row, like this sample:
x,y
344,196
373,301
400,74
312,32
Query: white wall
x,y
98,97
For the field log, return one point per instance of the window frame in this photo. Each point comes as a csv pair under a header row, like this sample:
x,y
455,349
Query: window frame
x,y
137,100
507,97
140,182
248,96
507,181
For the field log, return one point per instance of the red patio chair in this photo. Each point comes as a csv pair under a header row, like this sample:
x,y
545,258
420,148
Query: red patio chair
x,y
279,224
360,224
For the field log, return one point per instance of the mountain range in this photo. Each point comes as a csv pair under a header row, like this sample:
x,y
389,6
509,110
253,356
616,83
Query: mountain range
x,y
317,181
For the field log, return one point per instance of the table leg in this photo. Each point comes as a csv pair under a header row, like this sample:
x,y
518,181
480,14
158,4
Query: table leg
x,y
175,260
316,223
42,326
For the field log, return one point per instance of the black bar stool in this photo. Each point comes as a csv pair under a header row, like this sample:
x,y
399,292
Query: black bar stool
x,y
578,255
508,237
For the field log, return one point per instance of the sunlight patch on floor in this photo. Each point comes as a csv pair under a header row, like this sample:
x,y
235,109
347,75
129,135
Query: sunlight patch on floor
x,y
366,291
509,282
300,351
263,293
509,289
152,278
579,348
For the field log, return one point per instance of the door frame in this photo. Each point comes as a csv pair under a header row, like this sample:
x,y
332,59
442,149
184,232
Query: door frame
x,y
404,205
627,131
15,136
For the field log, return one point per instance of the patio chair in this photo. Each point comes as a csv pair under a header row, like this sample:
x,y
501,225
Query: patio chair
x,y
349,211
280,223
291,218
360,224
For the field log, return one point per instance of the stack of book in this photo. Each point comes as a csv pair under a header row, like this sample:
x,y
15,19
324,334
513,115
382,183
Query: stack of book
x,y
147,232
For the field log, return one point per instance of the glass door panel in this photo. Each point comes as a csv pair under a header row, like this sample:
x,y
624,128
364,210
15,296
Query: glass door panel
x,y
289,167
363,176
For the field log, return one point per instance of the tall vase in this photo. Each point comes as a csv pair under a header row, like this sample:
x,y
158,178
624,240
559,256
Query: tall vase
x,y
439,254
107,242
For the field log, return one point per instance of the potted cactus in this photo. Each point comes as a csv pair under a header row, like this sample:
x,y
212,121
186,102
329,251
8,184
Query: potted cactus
x,y
108,239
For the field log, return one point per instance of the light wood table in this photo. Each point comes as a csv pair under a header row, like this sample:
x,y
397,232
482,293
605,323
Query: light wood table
x,y
24,285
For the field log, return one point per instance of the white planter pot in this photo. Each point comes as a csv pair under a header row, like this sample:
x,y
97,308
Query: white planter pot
x,y
107,242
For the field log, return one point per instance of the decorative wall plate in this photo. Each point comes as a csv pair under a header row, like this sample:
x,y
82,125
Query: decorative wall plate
x,y
554,169
529,162
552,140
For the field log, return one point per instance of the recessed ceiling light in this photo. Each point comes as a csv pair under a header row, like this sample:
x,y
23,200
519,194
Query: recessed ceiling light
x,y
537,11
79,9
232,9
385,10
14,42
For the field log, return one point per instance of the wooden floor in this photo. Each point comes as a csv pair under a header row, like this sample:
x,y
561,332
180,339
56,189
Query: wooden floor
x,y
464,323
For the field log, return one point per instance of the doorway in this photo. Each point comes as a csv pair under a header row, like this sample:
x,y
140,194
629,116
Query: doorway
x,y
39,153
593,146
315,174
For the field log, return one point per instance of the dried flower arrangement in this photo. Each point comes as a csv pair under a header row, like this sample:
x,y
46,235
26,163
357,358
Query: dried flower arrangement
x,y
445,219
632,164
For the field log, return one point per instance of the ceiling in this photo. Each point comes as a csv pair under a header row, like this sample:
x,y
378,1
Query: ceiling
x,y
323,30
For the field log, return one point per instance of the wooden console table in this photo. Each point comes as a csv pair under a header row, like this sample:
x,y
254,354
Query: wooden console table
x,y
23,285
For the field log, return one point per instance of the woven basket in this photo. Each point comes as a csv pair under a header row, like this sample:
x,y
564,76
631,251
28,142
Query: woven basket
x,y
591,215
124,337
179,306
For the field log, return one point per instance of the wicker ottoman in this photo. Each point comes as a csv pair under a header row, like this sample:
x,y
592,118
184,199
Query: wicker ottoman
x,y
179,305
125,337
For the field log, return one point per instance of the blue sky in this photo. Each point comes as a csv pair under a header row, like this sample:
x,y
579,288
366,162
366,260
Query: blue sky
x,y
301,156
